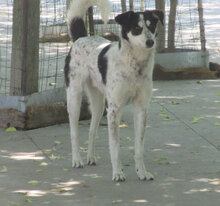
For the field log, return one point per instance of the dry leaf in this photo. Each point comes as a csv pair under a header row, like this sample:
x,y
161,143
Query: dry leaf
x,y
43,164
123,125
196,119
4,169
33,182
11,129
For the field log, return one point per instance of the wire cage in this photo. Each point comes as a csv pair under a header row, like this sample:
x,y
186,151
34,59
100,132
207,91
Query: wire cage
x,y
52,54
6,11
54,43
187,31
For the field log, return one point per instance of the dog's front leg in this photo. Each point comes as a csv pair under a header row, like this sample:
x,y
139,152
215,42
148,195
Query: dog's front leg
x,y
140,118
114,115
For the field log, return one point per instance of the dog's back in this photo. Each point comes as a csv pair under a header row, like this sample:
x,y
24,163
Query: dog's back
x,y
85,49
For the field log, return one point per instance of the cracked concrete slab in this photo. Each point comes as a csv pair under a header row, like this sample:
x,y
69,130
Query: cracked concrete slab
x,y
35,165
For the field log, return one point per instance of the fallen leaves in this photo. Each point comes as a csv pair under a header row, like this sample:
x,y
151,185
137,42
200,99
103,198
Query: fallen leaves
x,y
123,125
57,143
185,100
196,119
199,82
33,182
39,170
43,164
28,200
174,103
167,118
83,149
56,157
162,112
47,151
4,169
62,189
66,169
162,160
15,204
11,129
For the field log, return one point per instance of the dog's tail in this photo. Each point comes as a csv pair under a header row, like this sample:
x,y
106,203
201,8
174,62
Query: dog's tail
x,y
75,16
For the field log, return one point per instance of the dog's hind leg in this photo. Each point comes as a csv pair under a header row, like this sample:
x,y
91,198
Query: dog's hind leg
x,y
97,106
74,99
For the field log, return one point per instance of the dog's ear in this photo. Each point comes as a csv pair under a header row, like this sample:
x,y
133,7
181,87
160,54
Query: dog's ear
x,y
159,15
124,18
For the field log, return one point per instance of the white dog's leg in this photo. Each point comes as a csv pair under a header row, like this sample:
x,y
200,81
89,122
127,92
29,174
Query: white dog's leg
x,y
97,106
74,98
140,117
114,115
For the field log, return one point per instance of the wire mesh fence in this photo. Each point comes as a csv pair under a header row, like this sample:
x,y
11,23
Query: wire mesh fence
x,y
52,54
54,44
6,10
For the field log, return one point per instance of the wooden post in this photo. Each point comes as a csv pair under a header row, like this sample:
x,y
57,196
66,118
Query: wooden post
x,y
160,5
91,21
123,5
172,25
142,5
131,5
67,4
202,27
25,48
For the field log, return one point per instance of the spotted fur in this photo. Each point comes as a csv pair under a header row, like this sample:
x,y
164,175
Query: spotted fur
x,y
120,72
103,62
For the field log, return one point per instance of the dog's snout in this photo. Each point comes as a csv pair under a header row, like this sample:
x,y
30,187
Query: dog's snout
x,y
149,43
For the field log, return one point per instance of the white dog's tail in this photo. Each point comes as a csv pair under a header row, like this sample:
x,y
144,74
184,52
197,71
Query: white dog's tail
x,y
75,16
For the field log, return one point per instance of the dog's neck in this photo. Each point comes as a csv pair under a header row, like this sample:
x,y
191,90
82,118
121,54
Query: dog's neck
x,y
141,55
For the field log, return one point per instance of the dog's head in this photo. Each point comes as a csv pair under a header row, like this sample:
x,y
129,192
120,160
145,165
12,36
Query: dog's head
x,y
140,28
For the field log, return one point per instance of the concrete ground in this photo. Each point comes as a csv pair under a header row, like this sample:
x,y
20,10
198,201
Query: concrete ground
x,y
182,151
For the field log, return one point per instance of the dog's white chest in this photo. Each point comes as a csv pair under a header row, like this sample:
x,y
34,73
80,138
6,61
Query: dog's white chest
x,y
127,79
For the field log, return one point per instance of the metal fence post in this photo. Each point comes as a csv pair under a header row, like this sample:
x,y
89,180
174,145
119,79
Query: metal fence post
x,y
25,47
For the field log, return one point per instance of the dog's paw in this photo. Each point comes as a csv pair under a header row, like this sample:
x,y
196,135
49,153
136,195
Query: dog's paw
x,y
91,160
144,175
118,177
77,163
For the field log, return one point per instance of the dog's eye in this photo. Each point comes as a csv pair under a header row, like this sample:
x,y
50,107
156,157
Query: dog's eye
x,y
148,23
137,30
152,28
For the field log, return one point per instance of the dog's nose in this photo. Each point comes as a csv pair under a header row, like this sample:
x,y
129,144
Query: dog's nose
x,y
149,43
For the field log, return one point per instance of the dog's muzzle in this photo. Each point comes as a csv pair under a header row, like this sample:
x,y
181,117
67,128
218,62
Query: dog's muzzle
x,y
149,43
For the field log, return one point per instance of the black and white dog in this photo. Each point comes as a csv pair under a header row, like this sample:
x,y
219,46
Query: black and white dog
x,y
120,72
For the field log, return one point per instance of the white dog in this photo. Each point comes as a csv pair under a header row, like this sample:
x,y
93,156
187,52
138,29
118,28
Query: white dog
x,y
120,72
